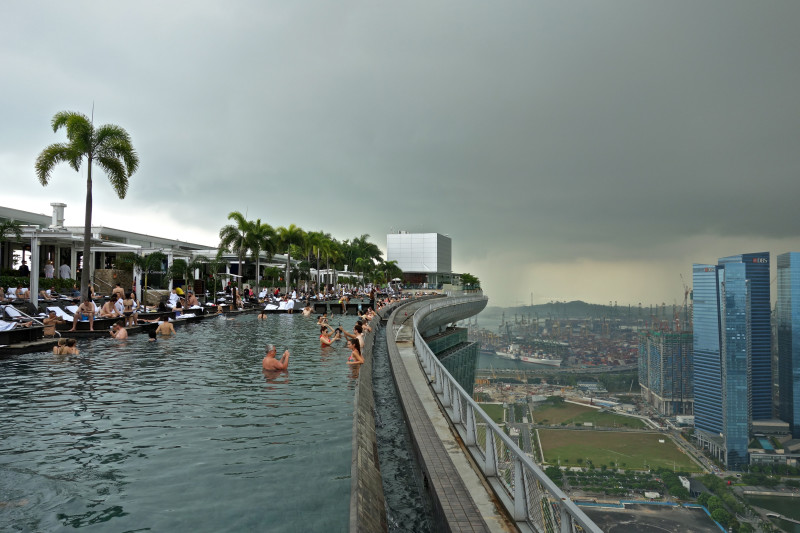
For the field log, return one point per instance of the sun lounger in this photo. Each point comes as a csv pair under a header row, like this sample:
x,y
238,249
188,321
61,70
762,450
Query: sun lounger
x,y
60,313
5,326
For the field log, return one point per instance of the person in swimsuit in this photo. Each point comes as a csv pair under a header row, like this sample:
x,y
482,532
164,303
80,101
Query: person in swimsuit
x,y
118,331
324,336
85,312
127,310
355,355
166,328
271,364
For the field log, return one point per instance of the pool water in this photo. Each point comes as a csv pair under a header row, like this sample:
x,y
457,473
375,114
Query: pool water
x,y
185,433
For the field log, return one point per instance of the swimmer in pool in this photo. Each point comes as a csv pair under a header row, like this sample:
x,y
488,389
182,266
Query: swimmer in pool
x,y
166,328
271,363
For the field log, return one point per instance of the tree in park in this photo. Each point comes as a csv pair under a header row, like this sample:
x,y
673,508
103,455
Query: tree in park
x,y
109,146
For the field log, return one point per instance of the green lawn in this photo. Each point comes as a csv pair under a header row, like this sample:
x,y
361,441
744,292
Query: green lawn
x,y
628,450
494,410
570,413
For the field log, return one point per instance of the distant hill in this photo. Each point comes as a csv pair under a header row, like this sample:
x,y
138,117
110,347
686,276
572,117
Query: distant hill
x,y
574,309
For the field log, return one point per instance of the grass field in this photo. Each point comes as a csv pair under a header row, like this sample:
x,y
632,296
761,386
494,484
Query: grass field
x,y
628,450
494,410
571,413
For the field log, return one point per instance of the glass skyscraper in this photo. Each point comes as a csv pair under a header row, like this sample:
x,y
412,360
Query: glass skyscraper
x,y
707,365
789,340
732,352
735,314
757,272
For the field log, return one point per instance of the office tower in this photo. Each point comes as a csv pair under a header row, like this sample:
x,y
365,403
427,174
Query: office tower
x,y
760,332
706,350
735,347
732,353
788,318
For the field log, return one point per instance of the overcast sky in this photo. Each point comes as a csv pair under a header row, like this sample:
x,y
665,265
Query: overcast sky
x,y
573,150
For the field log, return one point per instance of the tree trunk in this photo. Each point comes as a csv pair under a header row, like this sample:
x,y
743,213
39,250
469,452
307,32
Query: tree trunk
x,y
288,261
87,233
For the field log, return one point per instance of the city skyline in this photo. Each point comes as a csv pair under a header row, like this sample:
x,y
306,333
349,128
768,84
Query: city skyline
x,y
573,152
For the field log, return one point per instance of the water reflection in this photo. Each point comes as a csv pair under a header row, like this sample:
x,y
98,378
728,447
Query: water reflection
x,y
181,433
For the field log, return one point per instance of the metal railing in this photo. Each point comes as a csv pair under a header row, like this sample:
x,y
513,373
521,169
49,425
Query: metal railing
x,y
528,494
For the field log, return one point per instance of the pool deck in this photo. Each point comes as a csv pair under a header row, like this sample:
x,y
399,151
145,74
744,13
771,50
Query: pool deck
x,y
46,344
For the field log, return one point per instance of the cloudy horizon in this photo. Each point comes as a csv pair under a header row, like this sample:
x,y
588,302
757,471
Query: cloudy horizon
x,y
585,150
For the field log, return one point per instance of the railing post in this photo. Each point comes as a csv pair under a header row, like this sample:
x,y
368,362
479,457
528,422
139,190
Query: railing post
x,y
456,407
472,431
490,453
520,494
566,520
446,392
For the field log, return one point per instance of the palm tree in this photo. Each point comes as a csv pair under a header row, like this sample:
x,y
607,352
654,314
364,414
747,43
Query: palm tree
x,y
318,240
261,239
108,145
237,238
288,236
330,247
146,263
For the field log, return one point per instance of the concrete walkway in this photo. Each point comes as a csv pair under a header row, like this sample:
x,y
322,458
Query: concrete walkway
x,y
462,499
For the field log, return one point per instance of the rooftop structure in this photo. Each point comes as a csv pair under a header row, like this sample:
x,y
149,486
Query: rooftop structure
x,y
424,258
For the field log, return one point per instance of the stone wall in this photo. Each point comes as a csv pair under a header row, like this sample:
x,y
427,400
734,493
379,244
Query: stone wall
x,y
106,279
367,502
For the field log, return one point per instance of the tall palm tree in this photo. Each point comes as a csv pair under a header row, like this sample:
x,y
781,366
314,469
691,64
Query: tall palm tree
x,y
261,239
108,145
237,238
313,241
331,248
288,236
146,263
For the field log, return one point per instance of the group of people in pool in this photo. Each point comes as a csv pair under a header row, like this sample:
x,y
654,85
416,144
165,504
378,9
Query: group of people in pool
x,y
327,336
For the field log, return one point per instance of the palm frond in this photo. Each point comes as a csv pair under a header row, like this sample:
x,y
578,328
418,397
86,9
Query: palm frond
x,y
50,157
115,171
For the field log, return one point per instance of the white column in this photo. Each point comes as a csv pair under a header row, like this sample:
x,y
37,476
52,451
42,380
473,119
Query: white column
x,y
34,284
169,264
73,263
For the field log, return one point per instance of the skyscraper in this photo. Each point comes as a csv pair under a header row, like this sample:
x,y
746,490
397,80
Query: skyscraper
x,y
732,353
735,319
757,273
665,371
707,365
789,340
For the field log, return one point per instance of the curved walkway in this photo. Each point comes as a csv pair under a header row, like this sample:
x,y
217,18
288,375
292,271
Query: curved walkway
x,y
462,501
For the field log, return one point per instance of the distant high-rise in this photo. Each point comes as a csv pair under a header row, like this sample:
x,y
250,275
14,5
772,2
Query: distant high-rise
x,y
706,348
665,371
732,353
788,322
735,325
759,330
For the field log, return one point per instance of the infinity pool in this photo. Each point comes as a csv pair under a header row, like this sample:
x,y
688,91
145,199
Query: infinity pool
x,y
181,434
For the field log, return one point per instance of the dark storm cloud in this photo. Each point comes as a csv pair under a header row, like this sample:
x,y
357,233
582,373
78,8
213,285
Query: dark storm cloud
x,y
558,130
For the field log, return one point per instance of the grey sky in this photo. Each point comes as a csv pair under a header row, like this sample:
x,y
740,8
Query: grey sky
x,y
588,150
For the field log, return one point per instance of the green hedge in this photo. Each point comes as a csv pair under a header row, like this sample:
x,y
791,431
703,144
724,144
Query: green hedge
x,y
44,283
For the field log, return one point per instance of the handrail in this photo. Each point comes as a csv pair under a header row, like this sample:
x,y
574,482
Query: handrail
x,y
526,491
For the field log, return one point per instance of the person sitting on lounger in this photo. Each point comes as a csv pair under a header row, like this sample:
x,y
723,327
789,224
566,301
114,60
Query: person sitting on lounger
x,y
191,300
85,312
109,309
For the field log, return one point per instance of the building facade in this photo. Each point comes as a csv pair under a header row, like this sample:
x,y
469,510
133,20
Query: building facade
x,y
788,325
424,258
760,332
665,371
732,353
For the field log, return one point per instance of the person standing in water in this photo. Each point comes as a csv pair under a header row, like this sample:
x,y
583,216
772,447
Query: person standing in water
x,y
271,363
